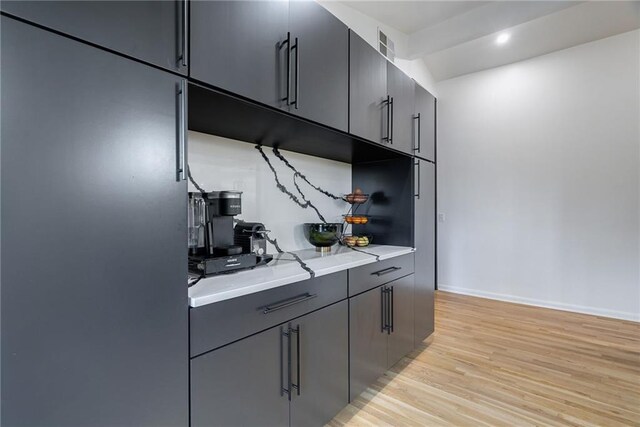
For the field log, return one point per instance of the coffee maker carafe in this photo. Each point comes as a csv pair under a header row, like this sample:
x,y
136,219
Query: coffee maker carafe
x,y
217,246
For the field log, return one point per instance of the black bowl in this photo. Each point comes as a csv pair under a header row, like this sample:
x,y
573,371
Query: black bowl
x,y
322,235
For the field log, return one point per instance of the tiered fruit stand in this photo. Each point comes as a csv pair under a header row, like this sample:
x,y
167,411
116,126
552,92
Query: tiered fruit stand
x,y
356,200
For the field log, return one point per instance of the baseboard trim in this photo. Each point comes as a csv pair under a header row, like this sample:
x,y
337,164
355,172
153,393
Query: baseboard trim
x,y
635,317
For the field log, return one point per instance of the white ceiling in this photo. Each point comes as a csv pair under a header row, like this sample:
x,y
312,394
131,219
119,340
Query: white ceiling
x,y
456,38
411,16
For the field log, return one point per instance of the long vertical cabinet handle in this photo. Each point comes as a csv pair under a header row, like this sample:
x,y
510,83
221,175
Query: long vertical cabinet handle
x,y
297,385
435,128
391,316
383,309
388,310
287,42
391,120
388,119
417,146
184,56
283,336
419,132
182,132
417,164
387,104
296,89
286,334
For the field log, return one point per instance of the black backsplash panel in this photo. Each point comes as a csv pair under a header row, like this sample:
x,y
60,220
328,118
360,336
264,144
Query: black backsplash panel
x,y
390,206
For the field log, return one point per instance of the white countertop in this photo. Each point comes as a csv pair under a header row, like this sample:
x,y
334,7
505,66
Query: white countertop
x,y
284,270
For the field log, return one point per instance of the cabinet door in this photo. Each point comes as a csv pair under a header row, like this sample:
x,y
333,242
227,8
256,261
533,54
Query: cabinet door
x,y
425,243
323,361
320,65
367,340
94,299
241,384
425,135
152,31
239,46
402,91
367,91
401,302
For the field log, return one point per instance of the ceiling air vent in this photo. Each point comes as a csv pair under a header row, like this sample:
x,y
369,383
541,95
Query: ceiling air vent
x,y
386,46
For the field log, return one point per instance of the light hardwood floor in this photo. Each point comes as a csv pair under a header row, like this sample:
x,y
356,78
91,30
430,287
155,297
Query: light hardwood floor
x,y
498,363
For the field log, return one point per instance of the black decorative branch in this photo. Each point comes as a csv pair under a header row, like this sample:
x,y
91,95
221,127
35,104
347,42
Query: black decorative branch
x,y
307,200
303,204
364,252
301,175
297,174
304,266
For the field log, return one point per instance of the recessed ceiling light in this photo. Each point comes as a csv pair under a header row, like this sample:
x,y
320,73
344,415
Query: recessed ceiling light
x,y
503,38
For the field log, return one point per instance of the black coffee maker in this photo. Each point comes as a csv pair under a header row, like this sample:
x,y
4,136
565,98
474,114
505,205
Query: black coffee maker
x,y
217,246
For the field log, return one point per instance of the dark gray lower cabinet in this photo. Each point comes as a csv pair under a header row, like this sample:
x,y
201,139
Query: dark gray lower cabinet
x,y
368,340
245,383
425,244
152,31
94,301
401,336
241,384
323,363
381,331
245,316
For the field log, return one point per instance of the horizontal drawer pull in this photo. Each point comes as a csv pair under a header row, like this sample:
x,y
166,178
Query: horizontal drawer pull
x,y
386,271
288,302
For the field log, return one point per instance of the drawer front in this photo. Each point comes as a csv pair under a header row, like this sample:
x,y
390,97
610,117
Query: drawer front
x,y
371,275
215,325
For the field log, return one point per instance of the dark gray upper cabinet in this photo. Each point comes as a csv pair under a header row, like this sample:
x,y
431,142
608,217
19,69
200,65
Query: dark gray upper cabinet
x,y
425,134
289,55
241,384
240,46
152,31
400,88
94,299
368,339
401,337
368,109
319,65
323,363
425,244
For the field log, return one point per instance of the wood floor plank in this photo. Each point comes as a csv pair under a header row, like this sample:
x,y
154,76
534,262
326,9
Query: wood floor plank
x,y
493,363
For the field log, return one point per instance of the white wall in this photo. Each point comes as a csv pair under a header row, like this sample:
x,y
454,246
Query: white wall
x,y
538,177
218,163
367,28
